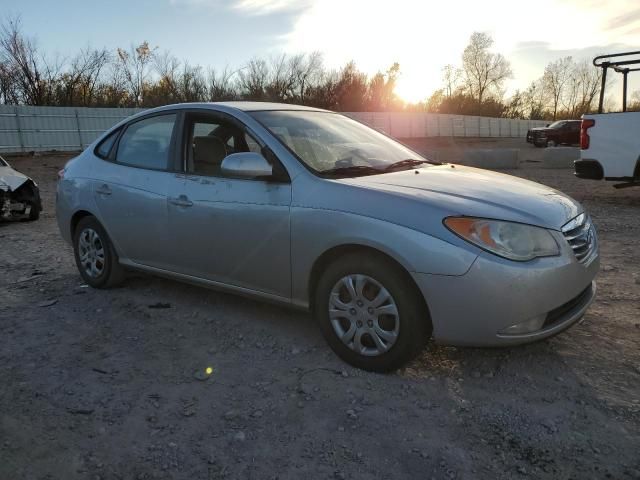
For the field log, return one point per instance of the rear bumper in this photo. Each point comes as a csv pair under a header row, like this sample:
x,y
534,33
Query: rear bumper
x,y
475,308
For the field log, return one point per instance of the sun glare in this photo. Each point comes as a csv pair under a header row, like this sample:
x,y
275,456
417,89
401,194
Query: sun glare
x,y
420,46
412,89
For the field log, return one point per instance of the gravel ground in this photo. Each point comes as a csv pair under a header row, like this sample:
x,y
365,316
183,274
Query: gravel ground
x,y
100,385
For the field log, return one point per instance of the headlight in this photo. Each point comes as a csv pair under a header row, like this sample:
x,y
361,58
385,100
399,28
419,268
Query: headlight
x,y
514,241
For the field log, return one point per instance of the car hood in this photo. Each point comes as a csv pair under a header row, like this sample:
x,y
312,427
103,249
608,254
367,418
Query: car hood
x,y
11,179
459,190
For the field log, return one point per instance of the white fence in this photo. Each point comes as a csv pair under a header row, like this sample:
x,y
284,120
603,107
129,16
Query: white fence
x,y
35,129
420,125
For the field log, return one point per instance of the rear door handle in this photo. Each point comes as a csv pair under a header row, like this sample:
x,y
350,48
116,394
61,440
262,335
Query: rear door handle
x,y
104,189
181,201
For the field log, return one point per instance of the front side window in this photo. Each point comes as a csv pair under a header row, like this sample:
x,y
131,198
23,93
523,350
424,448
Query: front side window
x,y
210,139
327,141
146,143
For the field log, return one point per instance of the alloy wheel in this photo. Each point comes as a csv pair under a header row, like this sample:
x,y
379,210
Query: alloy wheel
x,y
91,252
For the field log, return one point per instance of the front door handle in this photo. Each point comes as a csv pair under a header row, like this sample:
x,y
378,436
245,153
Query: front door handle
x,y
104,189
181,201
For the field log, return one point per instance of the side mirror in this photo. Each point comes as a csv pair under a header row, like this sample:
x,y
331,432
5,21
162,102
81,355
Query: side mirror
x,y
246,165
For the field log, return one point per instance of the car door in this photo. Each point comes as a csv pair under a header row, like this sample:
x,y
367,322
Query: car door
x,y
563,133
229,230
131,187
573,137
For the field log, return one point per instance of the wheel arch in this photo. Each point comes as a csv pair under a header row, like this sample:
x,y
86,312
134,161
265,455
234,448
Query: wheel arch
x,y
334,253
75,219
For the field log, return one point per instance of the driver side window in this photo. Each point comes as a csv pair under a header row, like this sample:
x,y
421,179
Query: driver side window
x,y
210,140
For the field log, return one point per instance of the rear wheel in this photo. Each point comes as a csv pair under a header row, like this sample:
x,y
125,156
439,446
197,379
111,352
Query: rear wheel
x,y
371,313
34,213
95,256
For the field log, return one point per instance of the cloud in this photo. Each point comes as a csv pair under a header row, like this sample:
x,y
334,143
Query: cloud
x,y
625,20
250,7
261,7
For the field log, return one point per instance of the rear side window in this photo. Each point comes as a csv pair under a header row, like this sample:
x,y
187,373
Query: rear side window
x,y
104,147
146,143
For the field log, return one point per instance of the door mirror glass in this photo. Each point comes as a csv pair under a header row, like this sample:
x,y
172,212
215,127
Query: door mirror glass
x,y
246,165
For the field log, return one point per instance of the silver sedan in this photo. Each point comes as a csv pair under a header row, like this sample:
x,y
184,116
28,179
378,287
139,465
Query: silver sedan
x,y
312,209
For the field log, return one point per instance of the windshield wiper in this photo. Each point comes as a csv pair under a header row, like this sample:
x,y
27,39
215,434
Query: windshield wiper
x,y
353,171
409,162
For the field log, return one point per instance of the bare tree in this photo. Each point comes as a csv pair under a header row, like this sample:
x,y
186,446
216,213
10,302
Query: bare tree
x,y
8,88
634,104
113,91
381,95
534,101
136,68
451,76
78,84
31,73
167,66
221,86
556,75
192,85
307,71
281,79
589,80
253,79
351,89
484,71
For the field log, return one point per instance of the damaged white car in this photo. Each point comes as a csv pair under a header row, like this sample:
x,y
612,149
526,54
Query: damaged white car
x,y
19,195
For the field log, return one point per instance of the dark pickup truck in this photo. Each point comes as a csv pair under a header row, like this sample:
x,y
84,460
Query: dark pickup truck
x,y
558,133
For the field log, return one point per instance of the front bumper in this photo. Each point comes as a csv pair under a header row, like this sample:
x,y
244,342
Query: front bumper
x,y
494,294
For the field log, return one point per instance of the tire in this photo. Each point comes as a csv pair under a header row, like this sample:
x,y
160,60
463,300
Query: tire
x,y
34,213
537,144
371,273
99,270
551,143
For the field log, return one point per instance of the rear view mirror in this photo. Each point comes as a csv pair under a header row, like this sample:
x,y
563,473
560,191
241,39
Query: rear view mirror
x,y
246,165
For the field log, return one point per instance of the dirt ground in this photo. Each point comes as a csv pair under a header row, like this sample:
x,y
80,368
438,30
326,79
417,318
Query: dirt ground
x,y
97,384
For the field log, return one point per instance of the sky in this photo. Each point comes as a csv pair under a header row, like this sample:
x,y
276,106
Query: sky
x,y
421,35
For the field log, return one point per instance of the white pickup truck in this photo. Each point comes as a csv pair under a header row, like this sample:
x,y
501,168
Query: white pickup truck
x,y
610,142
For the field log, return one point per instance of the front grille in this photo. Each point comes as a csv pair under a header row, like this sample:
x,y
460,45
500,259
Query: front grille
x,y
581,237
559,313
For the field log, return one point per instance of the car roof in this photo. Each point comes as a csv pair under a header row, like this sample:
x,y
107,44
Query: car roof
x,y
257,106
240,105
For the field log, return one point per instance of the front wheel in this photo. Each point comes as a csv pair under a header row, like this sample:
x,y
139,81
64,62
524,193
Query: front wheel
x,y
96,258
371,313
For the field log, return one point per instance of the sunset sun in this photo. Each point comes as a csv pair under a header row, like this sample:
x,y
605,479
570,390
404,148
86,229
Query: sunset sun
x,y
415,89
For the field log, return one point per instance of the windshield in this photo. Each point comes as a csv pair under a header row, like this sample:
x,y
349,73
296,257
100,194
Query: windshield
x,y
557,124
332,143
